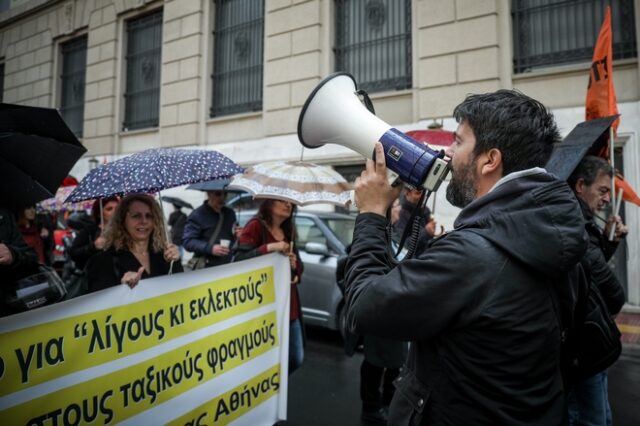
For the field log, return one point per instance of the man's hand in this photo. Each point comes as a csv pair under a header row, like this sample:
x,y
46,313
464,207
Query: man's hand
x,y
132,278
6,258
373,192
621,229
219,250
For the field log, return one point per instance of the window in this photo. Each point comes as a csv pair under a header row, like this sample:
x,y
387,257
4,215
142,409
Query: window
x,y
142,96
237,58
308,232
74,67
373,43
554,32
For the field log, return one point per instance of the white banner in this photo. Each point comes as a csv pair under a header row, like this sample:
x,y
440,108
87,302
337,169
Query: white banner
x,y
197,348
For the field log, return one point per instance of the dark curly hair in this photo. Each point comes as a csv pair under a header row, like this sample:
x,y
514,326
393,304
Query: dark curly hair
x,y
521,128
288,226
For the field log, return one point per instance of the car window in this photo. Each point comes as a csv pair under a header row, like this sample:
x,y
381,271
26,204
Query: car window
x,y
308,231
342,228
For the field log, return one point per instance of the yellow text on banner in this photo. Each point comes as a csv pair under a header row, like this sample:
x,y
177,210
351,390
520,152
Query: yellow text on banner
x,y
235,403
37,354
121,394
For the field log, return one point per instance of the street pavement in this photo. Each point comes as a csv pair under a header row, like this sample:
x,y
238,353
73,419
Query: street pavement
x,y
324,391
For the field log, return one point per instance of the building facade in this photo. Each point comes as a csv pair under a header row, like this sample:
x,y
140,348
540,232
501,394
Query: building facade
x,y
232,75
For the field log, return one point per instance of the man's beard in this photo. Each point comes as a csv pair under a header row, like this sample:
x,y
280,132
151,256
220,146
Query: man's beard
x,y
461,190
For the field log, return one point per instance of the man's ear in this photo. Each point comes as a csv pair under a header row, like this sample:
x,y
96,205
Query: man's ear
x,y
579,186
491,162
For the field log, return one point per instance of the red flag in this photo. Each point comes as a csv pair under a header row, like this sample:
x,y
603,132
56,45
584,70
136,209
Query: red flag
x,y
601,96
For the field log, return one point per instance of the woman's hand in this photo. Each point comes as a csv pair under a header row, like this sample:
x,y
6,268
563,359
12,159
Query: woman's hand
x,y
171,253
281,246
132,278
99,242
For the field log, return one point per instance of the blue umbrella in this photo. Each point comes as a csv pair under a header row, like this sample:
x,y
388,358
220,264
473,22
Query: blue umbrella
x,y
152,171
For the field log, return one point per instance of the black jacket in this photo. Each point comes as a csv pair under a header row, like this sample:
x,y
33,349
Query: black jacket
x,y
106,268
177,220
598,254
83,247
25,259
199,228
477,306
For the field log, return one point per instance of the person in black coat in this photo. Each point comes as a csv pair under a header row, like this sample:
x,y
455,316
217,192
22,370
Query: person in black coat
x,y
136,246
17,259
478,303
591,182
201,224
89,240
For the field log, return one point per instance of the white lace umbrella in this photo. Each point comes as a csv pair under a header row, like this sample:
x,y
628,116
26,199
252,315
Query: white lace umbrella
x,y
299,182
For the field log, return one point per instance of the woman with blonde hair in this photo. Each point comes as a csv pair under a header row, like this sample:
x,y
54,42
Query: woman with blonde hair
x,y
136,246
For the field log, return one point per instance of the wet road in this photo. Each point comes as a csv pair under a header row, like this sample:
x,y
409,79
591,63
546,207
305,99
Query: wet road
x,y
325,389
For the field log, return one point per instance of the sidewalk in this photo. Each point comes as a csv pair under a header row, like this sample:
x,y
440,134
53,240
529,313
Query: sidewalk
x,y
629,325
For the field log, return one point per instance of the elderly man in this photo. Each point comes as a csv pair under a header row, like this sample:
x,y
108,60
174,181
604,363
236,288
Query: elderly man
x,y
208,227
591,182
477,305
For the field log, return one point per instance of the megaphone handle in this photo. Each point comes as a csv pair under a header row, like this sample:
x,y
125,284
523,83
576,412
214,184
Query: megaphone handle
x,y
392,178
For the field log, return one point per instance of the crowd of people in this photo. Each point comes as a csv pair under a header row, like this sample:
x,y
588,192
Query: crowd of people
x,y
473,302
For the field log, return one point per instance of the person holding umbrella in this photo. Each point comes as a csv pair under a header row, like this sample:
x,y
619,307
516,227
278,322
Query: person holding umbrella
x,y
90,240
136,246
273,230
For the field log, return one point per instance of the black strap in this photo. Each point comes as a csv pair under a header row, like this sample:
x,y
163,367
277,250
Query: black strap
x,y
367,101
216,232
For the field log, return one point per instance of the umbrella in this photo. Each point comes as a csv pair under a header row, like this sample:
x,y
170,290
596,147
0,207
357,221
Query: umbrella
x,y
58,204
153,170
211,185
299,182
588,136
176,201
37,150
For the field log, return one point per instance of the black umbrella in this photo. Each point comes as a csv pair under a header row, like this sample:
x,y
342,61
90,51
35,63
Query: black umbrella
x,y
213,185
587,137
176,201
37,150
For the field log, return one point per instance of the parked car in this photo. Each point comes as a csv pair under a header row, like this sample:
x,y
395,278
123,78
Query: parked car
x,y
321,238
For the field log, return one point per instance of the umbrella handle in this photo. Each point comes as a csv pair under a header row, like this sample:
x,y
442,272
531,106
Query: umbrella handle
x,y
171,268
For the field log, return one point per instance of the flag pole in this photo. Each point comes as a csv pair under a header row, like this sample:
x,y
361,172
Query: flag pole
x,y
613,166
617,202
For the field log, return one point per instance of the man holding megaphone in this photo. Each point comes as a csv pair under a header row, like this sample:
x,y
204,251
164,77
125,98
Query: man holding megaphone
x,y
477,304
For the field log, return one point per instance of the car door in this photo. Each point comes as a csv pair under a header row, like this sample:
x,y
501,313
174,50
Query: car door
x,y
318,280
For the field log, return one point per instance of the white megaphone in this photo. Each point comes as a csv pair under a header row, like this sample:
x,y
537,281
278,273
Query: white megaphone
x,y
333,113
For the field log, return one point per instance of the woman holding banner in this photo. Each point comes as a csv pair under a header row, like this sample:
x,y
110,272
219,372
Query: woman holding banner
x,y
273,230
136,246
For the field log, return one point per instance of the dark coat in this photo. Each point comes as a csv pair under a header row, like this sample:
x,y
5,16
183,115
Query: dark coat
x,y
177,220
106,268
477,306
199,228
83,247
598,254
25,259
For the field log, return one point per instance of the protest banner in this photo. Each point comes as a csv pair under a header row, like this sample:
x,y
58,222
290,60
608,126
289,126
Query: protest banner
x,y
203,347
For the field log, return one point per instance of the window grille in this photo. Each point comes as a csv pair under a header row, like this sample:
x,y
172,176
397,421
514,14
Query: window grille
x,y
74,67
142,96
373,42
555,32
237,57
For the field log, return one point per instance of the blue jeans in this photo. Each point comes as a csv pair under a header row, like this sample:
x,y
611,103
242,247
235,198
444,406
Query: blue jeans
x,y
588,402
296,350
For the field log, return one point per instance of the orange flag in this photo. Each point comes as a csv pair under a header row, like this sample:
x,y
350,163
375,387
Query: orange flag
x,y
601,96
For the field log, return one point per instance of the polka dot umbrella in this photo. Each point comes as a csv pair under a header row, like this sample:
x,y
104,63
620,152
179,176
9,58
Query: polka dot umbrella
x,y
153,170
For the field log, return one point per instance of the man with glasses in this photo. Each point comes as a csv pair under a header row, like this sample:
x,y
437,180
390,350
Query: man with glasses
x,y
205,236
